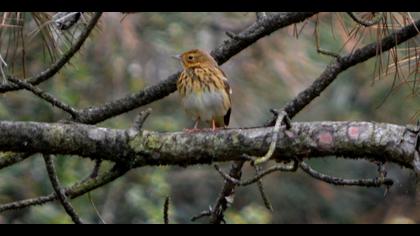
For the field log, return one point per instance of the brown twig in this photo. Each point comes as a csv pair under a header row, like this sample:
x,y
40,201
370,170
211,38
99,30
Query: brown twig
x,y
96,168
259,175
46,96
260,185
201,215
73,191
376,182
59,191
366,23
166,210
318,44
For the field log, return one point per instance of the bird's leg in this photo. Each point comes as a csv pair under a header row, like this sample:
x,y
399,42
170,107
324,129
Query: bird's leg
x,y
195,126
213,125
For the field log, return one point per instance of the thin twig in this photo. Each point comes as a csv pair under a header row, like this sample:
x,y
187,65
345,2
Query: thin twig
x,y
260,185
96,168
3,63
318,44
45,96
95,209
258,176
73,191
59,191
376,182
201,215
366,23
166,210
382,175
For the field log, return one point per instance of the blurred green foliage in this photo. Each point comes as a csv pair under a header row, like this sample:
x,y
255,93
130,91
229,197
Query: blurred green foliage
x,y
125,56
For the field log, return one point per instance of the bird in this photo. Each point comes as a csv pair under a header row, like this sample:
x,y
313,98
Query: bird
x,y
204,89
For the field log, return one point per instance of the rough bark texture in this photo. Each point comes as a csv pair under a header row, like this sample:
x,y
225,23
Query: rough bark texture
x,y
378,141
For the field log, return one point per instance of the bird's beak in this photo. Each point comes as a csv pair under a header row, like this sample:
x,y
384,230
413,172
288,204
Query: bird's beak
x,y
178,57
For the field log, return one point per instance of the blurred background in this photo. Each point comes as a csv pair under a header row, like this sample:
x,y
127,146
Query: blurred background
x,y
127,53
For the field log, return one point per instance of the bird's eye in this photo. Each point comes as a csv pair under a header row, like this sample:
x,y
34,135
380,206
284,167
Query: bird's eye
x,y
190,57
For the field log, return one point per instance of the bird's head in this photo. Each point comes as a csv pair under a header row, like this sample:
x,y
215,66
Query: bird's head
x,y
196,57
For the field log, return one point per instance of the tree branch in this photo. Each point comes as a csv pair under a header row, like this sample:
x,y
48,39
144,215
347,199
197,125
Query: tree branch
x,y
375,141
59,191
376,182
166,211
366,23
226,196
224,52
10,158
45,96
259,175
54,68
344,62
74,191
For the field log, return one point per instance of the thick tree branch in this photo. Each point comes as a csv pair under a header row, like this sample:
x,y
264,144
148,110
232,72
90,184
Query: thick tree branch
x,y
344,62
58,65
224,52
375,141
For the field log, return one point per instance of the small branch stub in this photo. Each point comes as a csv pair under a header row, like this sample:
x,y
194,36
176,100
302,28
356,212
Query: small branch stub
x,y
141,118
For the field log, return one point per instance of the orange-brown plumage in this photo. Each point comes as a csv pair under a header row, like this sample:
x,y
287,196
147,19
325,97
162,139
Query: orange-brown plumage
x,y
204,89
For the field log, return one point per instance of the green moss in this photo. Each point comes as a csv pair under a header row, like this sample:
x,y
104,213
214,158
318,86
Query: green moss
x,y
136,143
235,139
144,141
56,134
153,142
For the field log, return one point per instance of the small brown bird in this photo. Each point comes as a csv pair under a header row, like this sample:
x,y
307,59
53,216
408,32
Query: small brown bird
x,y
204,89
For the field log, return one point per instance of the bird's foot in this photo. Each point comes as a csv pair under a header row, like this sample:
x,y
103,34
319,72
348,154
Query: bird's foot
x,y
191,130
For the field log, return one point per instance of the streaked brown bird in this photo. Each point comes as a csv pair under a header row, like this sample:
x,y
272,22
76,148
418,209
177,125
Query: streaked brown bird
x,y
204,89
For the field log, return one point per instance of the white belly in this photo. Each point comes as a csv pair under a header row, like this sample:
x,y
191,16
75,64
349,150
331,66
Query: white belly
x,y
206,105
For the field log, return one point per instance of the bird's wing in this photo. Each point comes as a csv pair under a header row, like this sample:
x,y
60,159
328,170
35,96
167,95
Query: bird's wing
x,y
228,90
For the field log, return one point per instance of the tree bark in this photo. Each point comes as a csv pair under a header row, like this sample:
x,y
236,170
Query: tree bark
x,y
375,141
